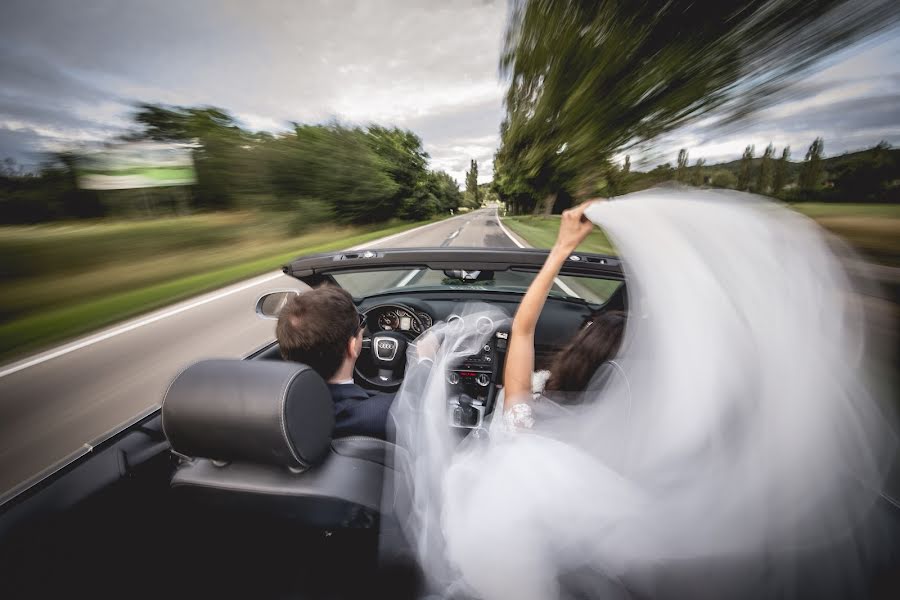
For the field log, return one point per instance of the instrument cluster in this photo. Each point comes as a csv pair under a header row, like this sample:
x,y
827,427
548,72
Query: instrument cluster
x,y
395,318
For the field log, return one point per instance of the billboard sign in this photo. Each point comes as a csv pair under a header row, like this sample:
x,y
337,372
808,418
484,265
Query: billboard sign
x,y
136,165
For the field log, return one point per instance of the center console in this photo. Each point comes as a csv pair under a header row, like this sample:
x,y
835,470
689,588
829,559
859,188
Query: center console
x,y
472,384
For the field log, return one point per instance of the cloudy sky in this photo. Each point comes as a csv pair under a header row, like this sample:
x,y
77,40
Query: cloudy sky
x,y
71,70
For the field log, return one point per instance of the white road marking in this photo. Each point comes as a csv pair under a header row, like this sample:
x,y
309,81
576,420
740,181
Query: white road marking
x,y
408,278
402,233
16,367
556,280
565,288
506,231
130,326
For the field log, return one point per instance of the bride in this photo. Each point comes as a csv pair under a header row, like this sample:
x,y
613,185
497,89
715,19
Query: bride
x,y
574,365
724,442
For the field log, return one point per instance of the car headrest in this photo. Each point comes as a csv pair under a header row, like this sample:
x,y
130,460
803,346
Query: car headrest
x,y
262,411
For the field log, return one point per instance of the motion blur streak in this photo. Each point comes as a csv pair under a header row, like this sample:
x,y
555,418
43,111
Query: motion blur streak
x,y
739,451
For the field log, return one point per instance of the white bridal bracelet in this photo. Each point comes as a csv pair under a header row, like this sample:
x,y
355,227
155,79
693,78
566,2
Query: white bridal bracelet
x,y
519,416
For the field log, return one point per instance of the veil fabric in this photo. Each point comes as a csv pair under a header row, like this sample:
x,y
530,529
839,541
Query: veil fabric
x,y
738,450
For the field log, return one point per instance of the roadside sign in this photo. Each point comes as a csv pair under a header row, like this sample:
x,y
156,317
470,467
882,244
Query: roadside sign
x,y
136,165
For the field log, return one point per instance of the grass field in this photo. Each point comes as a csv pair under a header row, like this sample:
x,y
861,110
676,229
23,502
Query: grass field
x,y
540,232
64,280
874,229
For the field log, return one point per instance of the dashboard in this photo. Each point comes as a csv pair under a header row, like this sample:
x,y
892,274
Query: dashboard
x,y
474,381
391,317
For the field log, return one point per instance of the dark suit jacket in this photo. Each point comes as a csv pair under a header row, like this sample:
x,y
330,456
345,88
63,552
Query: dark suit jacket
x,y
359,412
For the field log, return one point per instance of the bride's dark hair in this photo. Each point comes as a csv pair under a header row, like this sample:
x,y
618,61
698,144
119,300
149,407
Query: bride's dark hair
x,y
595,343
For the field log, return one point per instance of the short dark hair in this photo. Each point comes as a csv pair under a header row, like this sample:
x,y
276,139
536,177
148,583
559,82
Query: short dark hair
x,y
315,326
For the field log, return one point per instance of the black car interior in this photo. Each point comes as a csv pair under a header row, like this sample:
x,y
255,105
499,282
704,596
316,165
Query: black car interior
x,y
236,488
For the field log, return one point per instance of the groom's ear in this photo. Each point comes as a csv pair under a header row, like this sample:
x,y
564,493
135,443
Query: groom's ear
x,y
354,346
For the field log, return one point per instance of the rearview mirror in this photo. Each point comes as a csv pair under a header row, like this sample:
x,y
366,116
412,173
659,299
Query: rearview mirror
x,y
464,275
270,305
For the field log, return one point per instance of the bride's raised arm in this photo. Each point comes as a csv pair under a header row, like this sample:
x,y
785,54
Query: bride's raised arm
x,y
573,228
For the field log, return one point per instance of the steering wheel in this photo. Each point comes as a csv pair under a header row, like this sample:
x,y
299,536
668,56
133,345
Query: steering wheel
x,y
387,351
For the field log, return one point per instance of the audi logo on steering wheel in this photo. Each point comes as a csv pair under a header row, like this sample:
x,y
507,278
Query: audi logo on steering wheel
x,y
385,348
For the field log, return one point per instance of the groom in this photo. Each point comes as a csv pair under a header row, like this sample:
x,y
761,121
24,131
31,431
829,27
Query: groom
x,y
323,329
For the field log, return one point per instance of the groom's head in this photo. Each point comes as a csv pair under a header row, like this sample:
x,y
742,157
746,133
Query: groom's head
x,y
321,328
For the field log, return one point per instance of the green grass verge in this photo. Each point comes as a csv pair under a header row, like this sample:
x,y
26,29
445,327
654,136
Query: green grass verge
x,y
541,232
873,229
818,210
35,331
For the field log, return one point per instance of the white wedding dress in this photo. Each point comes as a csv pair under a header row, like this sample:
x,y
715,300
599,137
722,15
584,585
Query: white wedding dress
x,y
741,437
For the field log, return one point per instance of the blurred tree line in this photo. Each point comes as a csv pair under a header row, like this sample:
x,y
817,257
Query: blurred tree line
x,y
867,176
314,173
591,80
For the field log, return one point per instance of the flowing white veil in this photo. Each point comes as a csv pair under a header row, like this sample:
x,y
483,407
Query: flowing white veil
x,y
738,450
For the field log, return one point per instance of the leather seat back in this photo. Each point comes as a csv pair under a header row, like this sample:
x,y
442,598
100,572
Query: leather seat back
x,y
255,436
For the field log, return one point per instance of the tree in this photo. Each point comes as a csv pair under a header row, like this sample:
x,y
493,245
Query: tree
x,y
697,178
780,179
447,191
472,192
764,177
404,159
587,79
724,179
681,173
626,168
868,176
217,140
811,170
745,174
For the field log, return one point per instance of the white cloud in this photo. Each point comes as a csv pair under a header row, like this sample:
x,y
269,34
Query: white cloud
x,y
406,63
853,102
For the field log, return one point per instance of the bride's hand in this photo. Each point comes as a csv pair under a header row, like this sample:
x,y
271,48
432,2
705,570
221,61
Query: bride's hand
x,y
573,227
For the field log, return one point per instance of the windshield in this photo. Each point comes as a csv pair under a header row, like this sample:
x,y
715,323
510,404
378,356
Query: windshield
x,y
361,284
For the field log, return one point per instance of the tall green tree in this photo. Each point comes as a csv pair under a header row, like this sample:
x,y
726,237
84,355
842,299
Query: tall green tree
x,y
811,170
333,168
589,78
745,172
626,167
681,172
764,176
781,173
404,159
447,191
472,191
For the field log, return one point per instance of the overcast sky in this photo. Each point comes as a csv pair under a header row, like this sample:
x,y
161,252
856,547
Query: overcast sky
x,y
71,70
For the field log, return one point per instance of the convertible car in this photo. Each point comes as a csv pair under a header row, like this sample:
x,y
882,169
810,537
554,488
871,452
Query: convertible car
x,y
235,486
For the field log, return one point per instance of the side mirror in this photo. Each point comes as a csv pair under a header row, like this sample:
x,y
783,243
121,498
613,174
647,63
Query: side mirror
x,y
269,306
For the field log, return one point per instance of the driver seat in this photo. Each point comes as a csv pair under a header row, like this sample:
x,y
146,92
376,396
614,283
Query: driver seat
x,y
255,436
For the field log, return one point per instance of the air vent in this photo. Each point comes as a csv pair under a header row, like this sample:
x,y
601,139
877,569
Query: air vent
x,y
484,325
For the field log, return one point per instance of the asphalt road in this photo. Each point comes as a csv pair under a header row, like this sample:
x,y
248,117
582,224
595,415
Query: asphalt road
x,y
55,404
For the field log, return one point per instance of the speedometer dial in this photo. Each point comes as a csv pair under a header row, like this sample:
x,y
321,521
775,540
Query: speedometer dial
x,y
388,321
426,321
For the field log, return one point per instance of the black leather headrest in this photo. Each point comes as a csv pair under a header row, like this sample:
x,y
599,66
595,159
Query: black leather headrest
x,y
260,411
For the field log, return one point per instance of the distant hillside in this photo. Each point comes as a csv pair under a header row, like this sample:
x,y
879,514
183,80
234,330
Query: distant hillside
x,y
831,164
871,175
